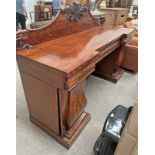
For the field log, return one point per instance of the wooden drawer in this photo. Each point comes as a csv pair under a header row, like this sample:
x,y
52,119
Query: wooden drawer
x,y
41,72
77,78
104,51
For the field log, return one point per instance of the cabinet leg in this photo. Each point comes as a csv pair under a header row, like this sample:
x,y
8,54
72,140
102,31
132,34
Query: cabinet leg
x,y
109,67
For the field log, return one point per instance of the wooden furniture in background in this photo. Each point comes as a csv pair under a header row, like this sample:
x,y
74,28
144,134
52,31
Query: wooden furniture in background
x,y
129,3
130,18
120,14
68,2
60,26
130,50
130,61
54,73
40,14
119,3
132,25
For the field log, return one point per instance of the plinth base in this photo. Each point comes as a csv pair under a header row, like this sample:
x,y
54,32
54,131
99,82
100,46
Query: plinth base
x,y
113,78
68,139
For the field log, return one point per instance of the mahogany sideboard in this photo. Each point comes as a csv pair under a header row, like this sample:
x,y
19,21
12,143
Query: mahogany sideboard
x,y
55,69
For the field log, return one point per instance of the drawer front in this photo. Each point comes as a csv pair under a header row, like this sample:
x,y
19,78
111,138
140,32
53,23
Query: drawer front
x,y
82,74
107,50
41,72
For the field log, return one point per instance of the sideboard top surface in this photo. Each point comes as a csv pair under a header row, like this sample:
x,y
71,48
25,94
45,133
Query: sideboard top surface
x,y
68,53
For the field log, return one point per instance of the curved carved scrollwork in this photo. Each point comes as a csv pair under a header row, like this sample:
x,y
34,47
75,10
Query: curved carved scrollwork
x,y
75,12
123,40
20,41
102,20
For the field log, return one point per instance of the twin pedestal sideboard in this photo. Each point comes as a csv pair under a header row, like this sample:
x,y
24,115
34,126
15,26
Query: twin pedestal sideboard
x,y
55,69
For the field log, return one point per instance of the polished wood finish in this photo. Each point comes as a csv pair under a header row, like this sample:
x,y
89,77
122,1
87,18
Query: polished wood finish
x,y
109,67
54,73
41,106
60,27
113,72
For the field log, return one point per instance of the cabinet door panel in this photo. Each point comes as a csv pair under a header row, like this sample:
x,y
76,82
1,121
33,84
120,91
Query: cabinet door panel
x,y
42,102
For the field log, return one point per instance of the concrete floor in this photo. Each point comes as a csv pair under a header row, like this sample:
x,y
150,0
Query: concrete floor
x,y
102,97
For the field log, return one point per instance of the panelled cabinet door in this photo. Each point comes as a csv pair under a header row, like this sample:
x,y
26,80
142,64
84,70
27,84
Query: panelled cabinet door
x,y
77,102
42,102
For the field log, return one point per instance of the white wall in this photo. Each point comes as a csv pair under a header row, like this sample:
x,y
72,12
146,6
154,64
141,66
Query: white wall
x,y
135,2
30,8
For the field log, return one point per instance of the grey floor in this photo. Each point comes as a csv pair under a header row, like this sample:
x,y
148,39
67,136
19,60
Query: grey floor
x,y
102,97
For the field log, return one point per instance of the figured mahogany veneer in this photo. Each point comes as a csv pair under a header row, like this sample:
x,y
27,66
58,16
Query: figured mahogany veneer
x,y
60,27
54,74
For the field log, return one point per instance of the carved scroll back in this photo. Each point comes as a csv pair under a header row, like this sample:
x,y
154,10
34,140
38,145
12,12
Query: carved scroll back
x,y
69,22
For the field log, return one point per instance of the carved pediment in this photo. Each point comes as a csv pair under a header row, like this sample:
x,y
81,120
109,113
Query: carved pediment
x,y
76,18
21,41
75,12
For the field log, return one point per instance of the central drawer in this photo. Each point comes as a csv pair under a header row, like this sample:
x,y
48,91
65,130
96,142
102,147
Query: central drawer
x,y
104,51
